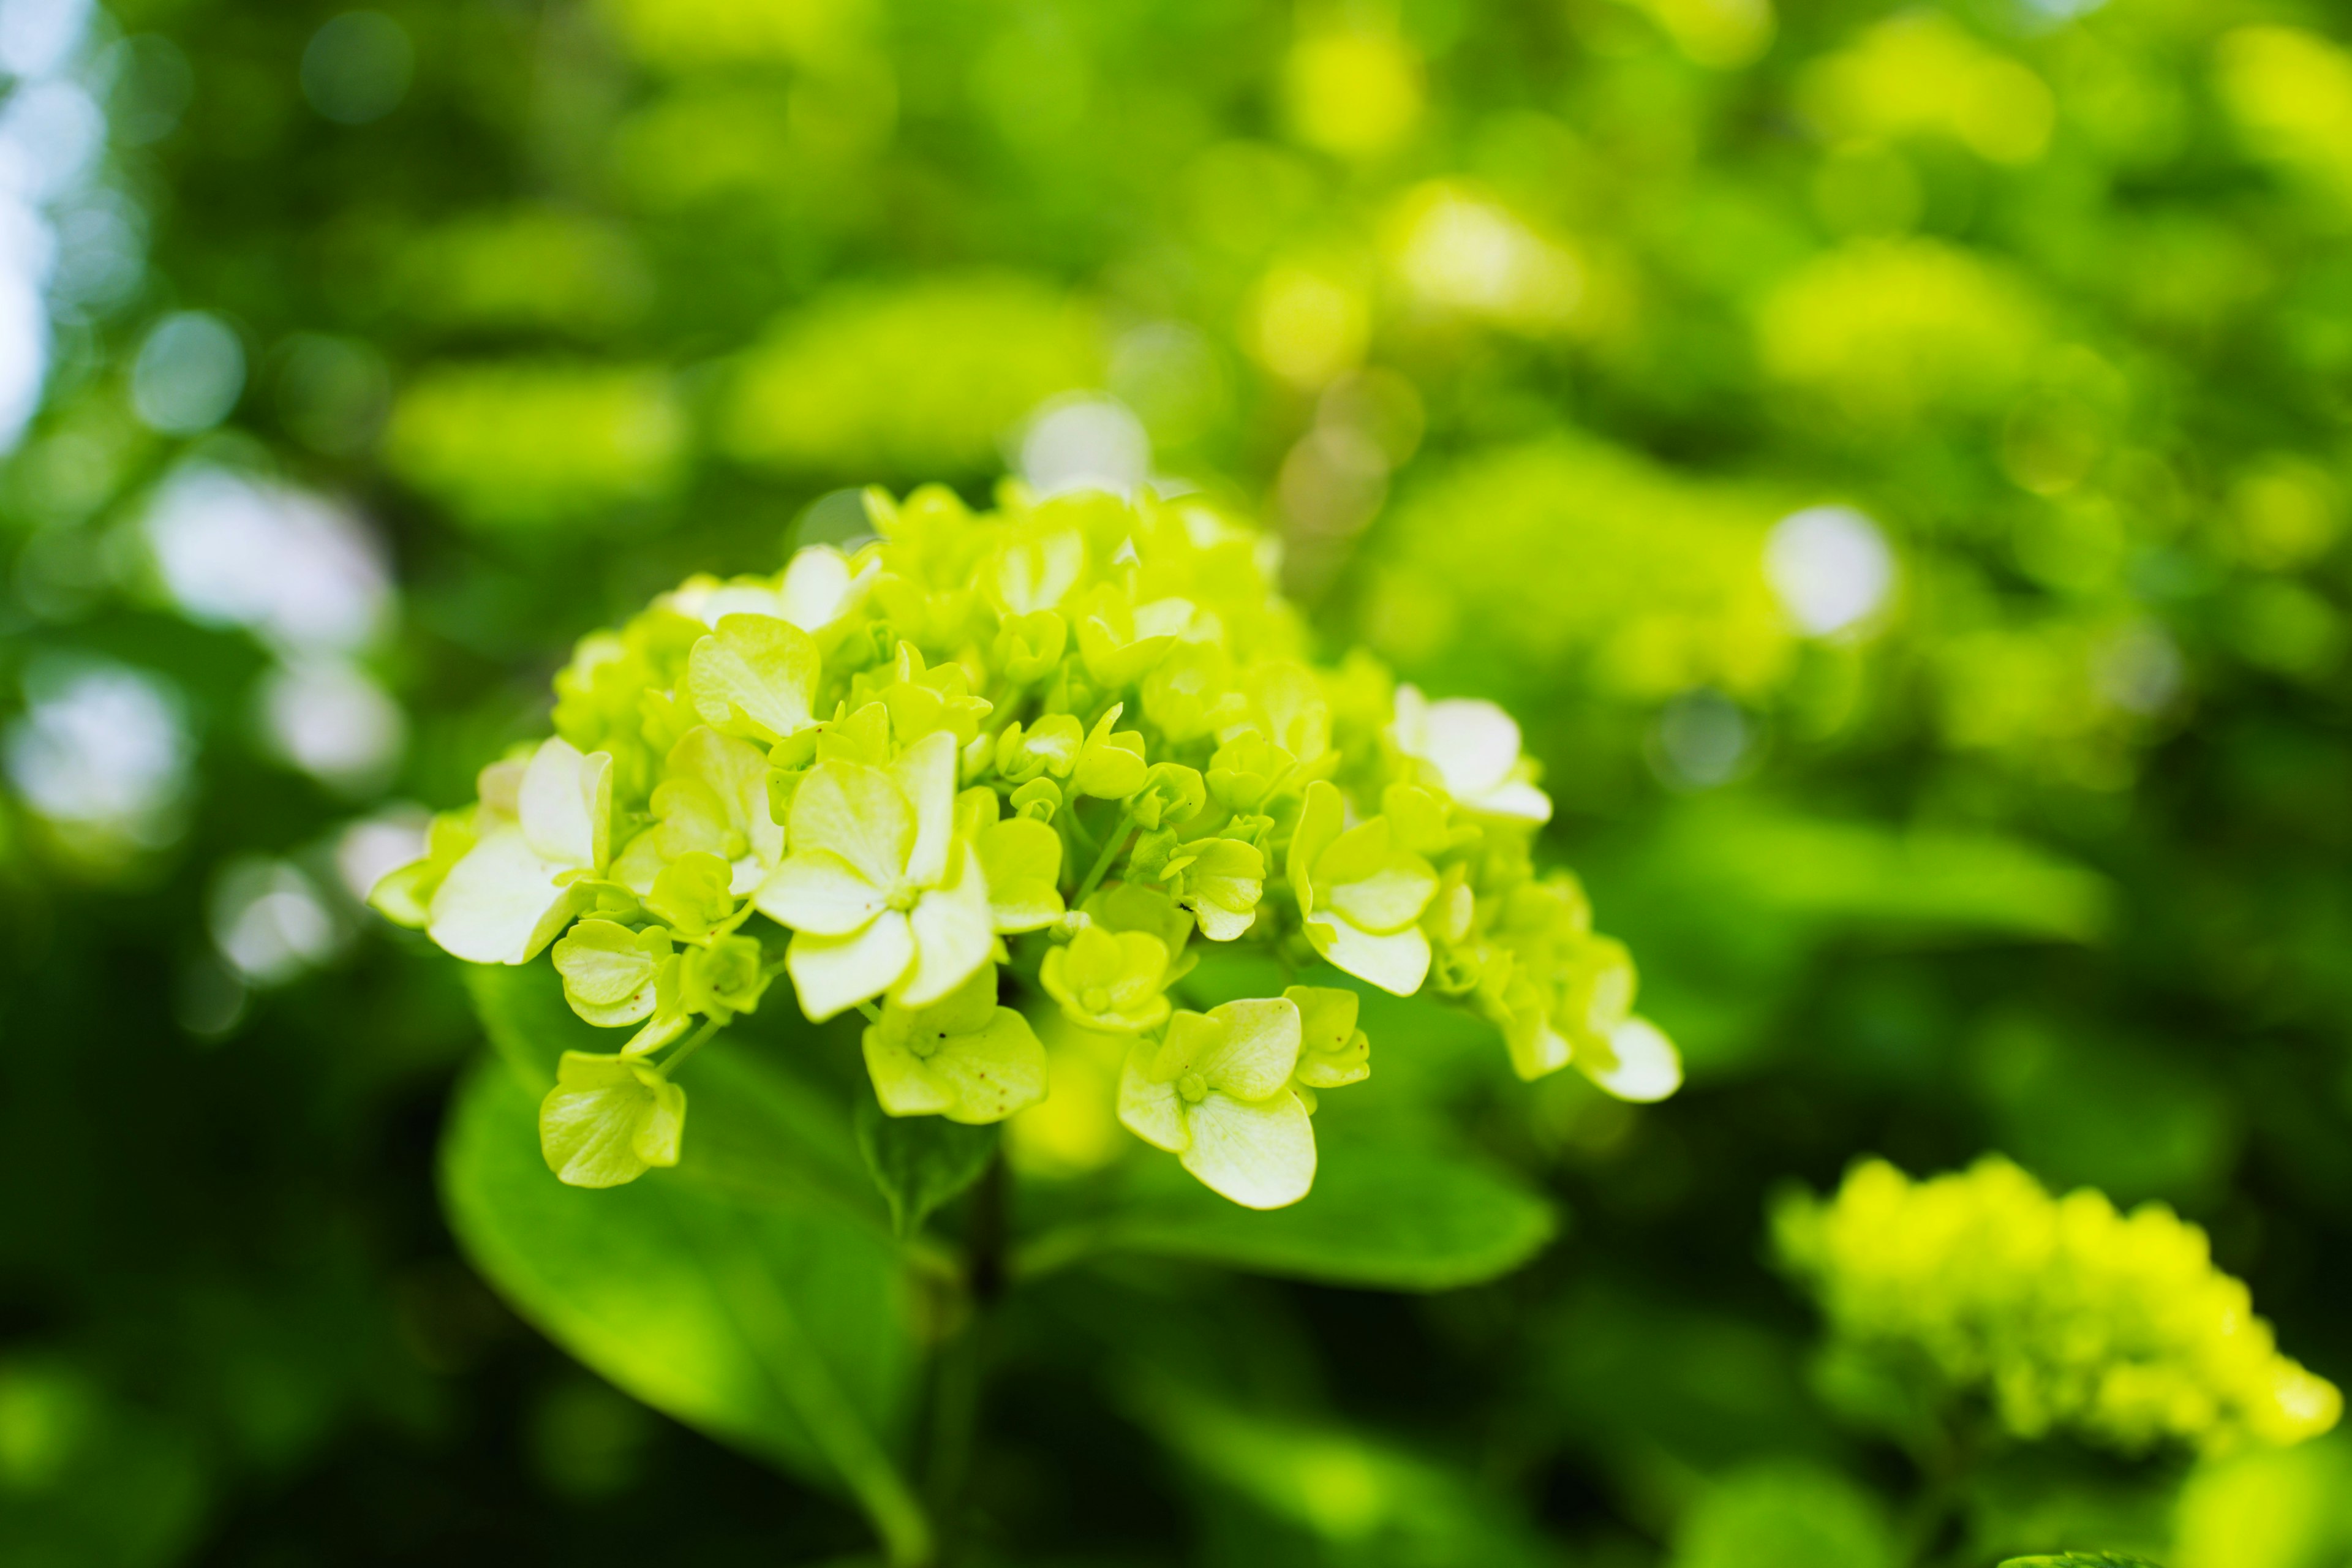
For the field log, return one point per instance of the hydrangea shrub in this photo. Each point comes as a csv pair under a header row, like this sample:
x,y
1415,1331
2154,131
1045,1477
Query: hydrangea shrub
x,y
991,765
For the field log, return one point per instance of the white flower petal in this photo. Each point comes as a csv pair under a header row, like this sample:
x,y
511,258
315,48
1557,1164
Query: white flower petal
x,y
819,892
1260,1153
1514,798
954,933
1647,1066
501,903
818,589
565,804
834,974
1397,963
1474,745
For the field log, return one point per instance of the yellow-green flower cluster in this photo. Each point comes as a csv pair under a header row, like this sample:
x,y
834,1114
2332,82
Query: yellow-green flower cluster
x,y
1020,759
2068,1315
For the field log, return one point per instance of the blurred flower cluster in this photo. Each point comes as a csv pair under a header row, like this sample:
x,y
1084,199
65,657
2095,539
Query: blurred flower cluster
x,y
2067,1315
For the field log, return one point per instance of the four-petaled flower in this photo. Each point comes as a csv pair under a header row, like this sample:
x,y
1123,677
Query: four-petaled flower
x,y
1216,1093
882,896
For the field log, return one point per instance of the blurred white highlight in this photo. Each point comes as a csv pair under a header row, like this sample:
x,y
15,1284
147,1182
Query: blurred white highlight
x,y
103,748
270,922
1085,441
301,572
1829,567
333,721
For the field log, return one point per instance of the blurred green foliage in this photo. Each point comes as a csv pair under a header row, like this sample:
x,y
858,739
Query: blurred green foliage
x,y
1891,459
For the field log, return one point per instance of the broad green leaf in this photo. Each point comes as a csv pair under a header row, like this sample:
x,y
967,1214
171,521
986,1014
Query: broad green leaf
x,y
1784,1514
1343,1489
743,1293
1392,1217
921,1161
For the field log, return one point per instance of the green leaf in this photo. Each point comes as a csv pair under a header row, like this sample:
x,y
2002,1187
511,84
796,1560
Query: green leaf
x,y
1391,1217
2080,1560
742,1293
920,1162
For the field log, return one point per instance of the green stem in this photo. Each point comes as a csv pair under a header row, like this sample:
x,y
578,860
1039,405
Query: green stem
x,y
872,1014
693,1043
1111,846
960,1373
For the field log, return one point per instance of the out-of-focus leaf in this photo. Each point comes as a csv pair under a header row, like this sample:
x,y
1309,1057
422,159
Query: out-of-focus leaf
x,y
1356,1500
1784,1515
1756,860
920,1162
529,1023
2080,1560
727,1294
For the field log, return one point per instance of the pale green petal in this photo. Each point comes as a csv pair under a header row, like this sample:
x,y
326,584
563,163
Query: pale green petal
x,y
636,867
693,818
818,588
756,672
1397,963
565,804
1321,817
607,1121
1389,900
992,1072
1222,885
1260,1153
926,776
1147,1107
1022,862
1363,851
816,890
608,971
1646,1066
1258,1051
834,974
859,813
1332,1051
1515,799
501,903
903,1081
735,771
954,933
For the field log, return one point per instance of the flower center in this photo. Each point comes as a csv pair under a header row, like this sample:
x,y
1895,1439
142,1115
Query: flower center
x,y
901,896
925,1043
1097,999
1193,1088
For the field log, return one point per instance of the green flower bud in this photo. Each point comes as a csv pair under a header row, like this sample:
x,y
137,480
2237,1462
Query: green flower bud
x,y
1332,1051
1037,800
692,892
1029,648
1110,766
609,970
1172,794
725,978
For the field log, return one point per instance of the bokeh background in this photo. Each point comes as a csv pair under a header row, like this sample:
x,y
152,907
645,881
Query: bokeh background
x,y
1894,460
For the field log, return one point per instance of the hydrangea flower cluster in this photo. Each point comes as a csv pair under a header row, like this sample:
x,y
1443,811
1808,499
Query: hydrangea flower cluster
x,y
1037,758
2067,1314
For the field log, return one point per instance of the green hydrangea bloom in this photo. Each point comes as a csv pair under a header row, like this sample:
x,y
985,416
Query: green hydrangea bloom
x,y
2066,1314
994,765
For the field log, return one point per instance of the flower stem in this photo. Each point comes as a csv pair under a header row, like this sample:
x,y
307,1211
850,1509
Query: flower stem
x,y
693,1043
1111,846
960,1372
